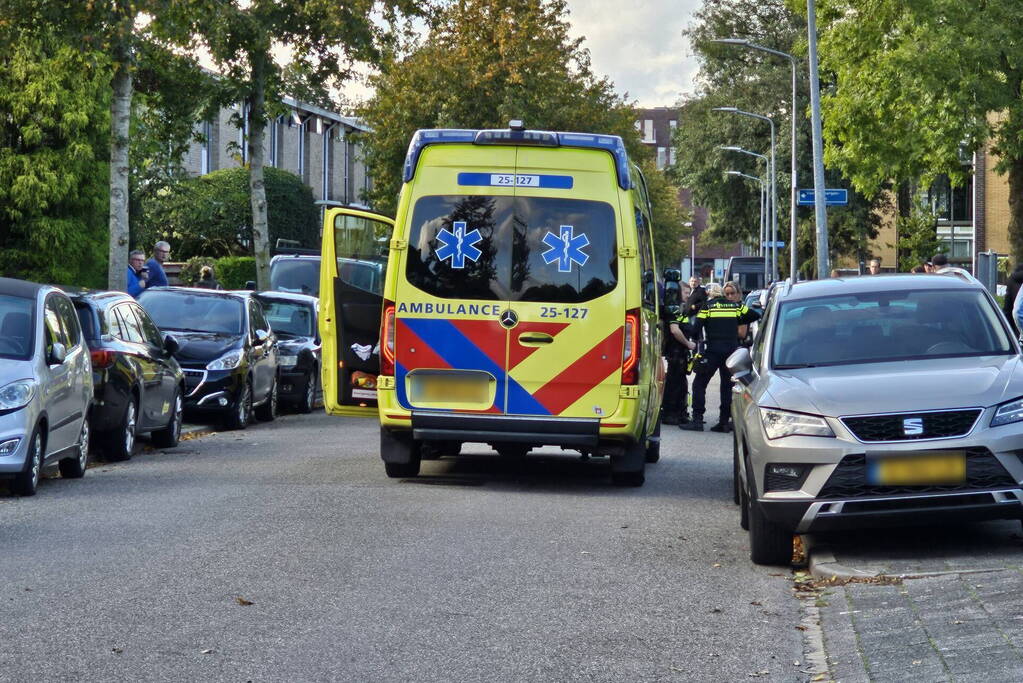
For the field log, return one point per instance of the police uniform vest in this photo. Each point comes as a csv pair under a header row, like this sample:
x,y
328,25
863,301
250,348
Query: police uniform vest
x,y
720,320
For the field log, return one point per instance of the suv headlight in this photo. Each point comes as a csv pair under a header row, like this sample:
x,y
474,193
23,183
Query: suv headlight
x,y
1008,413
779,423
288,361
229,361
17,394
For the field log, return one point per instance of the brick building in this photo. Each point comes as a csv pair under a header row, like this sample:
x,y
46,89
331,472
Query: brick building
x,y
315,144
656,126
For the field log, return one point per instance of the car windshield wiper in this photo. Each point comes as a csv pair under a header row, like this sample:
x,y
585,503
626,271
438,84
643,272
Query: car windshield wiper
x,y
190,329
796,366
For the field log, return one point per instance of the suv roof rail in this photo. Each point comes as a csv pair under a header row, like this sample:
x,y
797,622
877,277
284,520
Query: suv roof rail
x,y
960,273
295,251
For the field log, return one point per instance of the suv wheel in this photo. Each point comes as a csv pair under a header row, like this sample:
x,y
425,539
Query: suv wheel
x,y
769,543
735,469
74,468
27,481
168,436
120,443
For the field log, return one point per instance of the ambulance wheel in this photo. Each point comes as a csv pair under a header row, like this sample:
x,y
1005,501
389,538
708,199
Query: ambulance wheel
x,y
401,454
653,444
402,470
627,467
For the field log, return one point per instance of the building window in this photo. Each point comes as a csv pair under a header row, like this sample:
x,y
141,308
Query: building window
x,y
243,132
662,157
648,130
673,124
206,151
958,241
301,148
275,144
328,159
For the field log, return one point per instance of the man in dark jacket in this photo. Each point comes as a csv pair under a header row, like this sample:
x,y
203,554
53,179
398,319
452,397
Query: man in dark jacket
x,y
697,299
1011,290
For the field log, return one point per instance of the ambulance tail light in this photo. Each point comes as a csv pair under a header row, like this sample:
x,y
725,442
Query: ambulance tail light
x,y
387,339
630,352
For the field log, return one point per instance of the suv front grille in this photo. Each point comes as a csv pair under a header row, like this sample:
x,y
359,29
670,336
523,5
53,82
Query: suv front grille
x,y
936,425
849,480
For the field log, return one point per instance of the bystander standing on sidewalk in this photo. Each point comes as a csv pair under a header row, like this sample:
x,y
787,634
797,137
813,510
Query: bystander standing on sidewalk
x,y
874,267
1012,288
137,277
157,276
206,278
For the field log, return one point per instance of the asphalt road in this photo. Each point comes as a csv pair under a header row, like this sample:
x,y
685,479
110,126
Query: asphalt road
x,y
480,570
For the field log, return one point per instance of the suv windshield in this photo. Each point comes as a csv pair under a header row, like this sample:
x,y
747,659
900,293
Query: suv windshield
x,y
195,313
887,326
16,327
299,275
288,317
515,248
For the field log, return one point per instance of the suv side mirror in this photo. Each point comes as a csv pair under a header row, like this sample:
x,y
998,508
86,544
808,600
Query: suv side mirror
x,y
58,353
170,345
250,285
261,336
740,364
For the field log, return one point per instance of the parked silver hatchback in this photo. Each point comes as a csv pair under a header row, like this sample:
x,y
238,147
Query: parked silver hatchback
x,y
876,400
45,385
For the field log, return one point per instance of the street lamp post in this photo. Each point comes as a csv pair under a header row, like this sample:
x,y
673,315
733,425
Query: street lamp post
x,y
793,194
820,208
774,186
764,204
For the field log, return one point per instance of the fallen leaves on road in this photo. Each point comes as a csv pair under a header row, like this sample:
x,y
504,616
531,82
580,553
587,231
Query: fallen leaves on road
x,y
207,652
243,602
116,650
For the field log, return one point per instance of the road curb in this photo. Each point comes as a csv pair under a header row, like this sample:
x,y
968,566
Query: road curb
x,y
822,564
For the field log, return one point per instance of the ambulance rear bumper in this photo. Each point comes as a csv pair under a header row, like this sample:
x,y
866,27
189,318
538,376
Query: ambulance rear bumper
x,y
560,431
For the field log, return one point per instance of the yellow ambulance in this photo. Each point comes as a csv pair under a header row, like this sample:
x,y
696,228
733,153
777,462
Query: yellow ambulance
x,y
519,307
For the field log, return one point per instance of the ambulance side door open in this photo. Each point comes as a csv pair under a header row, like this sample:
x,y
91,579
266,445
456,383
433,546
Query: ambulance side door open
x,y
353,262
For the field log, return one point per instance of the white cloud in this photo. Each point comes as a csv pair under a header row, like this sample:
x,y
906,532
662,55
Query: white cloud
x,y
639,46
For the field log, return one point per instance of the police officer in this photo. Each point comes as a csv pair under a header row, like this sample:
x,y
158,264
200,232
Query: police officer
x,y
719,320
675,407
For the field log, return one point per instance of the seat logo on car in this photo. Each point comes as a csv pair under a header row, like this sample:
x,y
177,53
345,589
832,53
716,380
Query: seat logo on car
x,y
509,319
566,248
913,426
459,245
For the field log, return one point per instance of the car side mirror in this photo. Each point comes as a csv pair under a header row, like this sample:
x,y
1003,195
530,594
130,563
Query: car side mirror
x,y
763,299
170,345
58,353
261,336
740,364
250,285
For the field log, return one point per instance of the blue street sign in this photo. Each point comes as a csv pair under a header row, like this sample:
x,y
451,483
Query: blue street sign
x,y
768,245
831,197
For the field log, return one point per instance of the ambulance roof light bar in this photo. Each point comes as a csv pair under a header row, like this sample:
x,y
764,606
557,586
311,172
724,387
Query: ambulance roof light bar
x,y
516,134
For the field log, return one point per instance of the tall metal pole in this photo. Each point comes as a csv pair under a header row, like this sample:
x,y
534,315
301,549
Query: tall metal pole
x,y
774,210
763,229
823,267
794,194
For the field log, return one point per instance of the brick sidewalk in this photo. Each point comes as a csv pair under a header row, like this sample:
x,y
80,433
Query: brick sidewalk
x,y
954,627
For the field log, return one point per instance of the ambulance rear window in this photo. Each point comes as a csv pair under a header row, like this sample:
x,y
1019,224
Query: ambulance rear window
x,y
512,248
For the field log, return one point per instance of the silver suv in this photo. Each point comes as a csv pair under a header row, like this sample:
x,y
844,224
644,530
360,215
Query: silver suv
x,y
874,400
45,385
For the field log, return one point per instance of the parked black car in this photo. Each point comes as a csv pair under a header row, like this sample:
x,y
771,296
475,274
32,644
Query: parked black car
x,y
138,385
227,350
293,319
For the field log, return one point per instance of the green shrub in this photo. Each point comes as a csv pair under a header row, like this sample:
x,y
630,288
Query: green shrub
x,y
232,272
211,215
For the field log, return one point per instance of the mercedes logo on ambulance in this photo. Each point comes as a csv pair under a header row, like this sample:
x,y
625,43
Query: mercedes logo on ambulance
x,y
509,319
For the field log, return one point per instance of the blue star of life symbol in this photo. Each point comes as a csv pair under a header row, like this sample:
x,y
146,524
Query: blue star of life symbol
x,y
459,245
566,248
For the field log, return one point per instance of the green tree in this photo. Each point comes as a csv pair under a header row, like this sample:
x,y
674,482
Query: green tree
x,y
53,134
668,216
757,82
917,238
211,215
920,83
325,39
483,63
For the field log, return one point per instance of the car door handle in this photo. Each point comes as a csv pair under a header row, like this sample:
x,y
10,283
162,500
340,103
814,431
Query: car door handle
x,y
533,338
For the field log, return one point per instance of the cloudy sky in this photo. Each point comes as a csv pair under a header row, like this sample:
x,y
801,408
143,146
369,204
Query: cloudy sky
x,y
639,45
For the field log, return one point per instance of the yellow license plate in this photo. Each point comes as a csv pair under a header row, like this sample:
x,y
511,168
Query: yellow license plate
x,y
453,389
935,468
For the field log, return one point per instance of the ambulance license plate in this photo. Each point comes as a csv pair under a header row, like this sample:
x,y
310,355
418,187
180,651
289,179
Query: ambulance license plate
x,y
932,468
450,388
